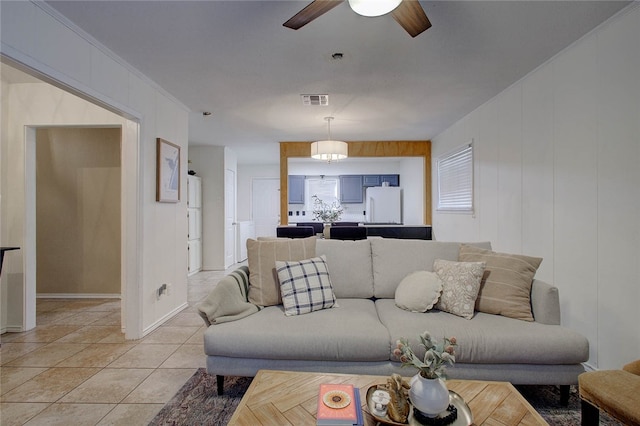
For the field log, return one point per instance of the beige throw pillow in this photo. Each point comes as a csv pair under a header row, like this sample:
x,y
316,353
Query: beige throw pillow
x,y
418,291
264,288
506,285
460,285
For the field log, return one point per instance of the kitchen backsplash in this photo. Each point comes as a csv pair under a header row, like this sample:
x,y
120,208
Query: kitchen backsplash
x,y
352,213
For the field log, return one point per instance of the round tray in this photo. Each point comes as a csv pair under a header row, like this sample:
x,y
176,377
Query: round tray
x,y
464,413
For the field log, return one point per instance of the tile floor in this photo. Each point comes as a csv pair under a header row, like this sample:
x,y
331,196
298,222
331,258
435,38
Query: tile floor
x,y
76,368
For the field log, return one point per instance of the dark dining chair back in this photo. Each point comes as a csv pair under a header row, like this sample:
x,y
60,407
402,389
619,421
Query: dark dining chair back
x,y
344,224
294,231
348,233
317,226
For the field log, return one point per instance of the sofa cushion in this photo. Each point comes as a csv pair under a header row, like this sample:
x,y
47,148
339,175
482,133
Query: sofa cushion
x,y
487,338
460,285
506,286
305,285
348,332
393,259
264,289
350,266
418,291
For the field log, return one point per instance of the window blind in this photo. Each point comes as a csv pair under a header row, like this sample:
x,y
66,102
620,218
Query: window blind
x,y
455,180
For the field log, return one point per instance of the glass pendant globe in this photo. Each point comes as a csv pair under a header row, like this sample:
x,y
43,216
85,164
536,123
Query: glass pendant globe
x,y
373,7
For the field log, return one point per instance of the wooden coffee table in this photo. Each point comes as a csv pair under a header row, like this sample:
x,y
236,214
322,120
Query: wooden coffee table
x,y
291,398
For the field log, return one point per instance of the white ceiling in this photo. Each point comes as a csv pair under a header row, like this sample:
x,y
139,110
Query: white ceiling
x,y
235,59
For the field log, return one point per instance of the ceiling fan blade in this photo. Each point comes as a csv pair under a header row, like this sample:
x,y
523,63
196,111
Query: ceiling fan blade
x,y
312,11
410,15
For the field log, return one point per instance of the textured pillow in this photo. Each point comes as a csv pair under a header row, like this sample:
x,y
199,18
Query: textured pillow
x,y
264,289
418,291
506,286
305,285
460,285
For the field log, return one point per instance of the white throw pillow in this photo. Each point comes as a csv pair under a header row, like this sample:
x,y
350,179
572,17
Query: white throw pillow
x,y
305,285
418,291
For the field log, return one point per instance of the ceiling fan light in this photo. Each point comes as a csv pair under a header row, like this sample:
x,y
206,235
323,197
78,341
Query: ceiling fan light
x,y
329,150
373,7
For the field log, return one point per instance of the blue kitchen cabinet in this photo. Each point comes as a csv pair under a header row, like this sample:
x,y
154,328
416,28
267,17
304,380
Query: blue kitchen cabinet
x,y
351,189
296,189
394,180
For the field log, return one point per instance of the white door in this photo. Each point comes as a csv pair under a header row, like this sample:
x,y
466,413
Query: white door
x,y
265,205
229,218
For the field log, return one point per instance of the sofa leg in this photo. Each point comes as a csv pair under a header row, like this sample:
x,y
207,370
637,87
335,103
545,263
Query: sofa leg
x,y
220,383
564,395
590,414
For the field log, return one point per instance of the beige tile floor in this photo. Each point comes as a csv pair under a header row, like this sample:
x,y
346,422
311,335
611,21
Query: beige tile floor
x,y
76,368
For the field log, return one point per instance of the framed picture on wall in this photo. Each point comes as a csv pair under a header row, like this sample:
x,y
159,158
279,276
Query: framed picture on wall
x,y
167,172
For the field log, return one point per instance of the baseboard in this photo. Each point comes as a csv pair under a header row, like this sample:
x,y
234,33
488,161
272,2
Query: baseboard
x,y
164,319
588,367
78,296
11,329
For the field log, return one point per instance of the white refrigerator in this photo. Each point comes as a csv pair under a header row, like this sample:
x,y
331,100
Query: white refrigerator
x,y
383,204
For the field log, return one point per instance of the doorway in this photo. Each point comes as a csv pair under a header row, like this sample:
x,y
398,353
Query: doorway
x,y
49,105
78,185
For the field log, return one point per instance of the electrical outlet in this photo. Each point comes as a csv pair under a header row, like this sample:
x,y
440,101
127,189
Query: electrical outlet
x,y
168,289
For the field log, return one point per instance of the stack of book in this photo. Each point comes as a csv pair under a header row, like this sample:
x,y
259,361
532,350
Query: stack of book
x,y
339,405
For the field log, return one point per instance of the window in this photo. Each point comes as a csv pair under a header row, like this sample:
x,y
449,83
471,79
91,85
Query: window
x,y
326,188
455,180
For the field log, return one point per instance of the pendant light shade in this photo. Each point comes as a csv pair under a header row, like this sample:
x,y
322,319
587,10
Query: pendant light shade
x,y
329,150
373,7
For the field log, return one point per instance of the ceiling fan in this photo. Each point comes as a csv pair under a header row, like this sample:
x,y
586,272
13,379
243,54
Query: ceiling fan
x,y
408,13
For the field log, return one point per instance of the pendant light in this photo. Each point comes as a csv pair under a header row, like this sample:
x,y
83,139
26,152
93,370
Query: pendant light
x,y
329,150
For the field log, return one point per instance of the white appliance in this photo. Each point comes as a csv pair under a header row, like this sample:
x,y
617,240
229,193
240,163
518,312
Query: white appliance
x,y
383,204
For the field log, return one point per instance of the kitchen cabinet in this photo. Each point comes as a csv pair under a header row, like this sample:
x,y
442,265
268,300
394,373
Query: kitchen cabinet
x,y
393,180
194,221
351,189
378,180
296,189
371,180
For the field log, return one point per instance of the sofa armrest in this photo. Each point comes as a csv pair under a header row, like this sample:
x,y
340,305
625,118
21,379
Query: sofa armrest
x,y
228,301
545,303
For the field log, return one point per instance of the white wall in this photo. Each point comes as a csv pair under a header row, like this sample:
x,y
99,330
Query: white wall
x,y
36,36
557,176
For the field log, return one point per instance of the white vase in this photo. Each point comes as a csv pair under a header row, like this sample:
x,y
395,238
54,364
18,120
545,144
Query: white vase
x,y
327,230
429,396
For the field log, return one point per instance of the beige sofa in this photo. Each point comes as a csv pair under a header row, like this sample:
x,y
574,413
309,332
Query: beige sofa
x,y
359,335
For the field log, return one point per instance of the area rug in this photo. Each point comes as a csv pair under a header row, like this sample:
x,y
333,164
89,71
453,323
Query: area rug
x,y
198,403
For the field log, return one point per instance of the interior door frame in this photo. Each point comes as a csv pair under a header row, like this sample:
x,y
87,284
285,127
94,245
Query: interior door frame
x,y
131,320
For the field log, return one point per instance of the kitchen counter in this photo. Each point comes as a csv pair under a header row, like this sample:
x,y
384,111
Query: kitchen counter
x,y
414,232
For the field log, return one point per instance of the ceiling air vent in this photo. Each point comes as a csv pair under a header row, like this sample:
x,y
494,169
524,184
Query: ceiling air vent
x,y
315,100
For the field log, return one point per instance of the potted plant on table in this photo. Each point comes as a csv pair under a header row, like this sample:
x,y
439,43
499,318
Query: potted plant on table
x,y
326,213
428,392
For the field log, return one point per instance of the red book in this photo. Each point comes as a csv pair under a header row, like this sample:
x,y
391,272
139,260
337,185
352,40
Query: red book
x,y
337,405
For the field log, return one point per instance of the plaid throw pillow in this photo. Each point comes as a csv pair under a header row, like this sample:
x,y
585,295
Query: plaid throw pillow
x,y
305,285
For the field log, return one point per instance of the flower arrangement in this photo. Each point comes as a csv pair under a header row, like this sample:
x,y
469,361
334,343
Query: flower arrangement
x,y
436,357
324,212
